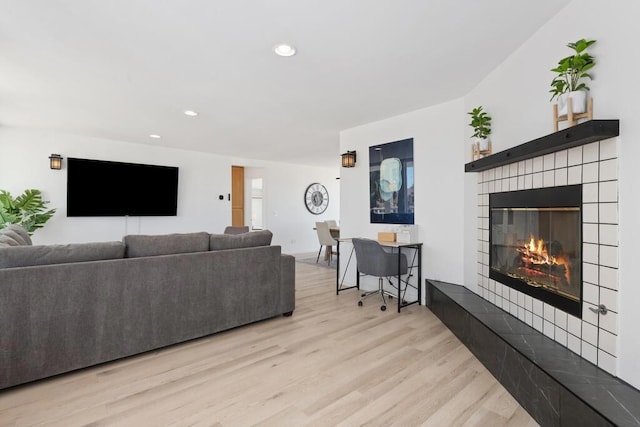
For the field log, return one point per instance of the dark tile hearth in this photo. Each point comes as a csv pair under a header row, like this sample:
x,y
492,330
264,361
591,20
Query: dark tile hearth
x,y
556,386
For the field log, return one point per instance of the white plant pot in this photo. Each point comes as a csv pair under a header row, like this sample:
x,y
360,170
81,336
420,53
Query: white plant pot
x,y
578,101
482,144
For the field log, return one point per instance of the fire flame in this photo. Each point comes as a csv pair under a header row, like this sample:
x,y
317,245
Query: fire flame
x,y
535,252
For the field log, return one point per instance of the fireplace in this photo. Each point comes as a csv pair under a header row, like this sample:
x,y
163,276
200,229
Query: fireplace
x,y
535,239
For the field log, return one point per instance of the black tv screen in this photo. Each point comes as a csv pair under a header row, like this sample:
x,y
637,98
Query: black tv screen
x,y
102,188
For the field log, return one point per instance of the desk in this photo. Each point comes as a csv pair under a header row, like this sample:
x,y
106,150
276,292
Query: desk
x,y
415,263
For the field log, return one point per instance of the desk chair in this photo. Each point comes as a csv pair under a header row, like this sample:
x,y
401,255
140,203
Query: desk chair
x,y
325,239
236,230
373,260
332,223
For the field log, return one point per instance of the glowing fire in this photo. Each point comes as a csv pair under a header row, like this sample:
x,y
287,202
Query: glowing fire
x,y
535,254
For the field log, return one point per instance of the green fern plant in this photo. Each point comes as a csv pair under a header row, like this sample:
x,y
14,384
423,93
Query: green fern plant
x,y
28,210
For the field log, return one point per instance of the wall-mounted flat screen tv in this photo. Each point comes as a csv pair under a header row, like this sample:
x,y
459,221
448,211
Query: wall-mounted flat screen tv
x,y
102,188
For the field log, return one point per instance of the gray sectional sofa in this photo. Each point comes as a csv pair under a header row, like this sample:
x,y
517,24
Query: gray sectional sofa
x,y
66,307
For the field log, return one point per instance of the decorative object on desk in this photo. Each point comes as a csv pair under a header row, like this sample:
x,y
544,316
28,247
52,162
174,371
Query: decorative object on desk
x,y
384,236
569,85
481,124
348,159
407,233
28,210
55,161
316,198
391,185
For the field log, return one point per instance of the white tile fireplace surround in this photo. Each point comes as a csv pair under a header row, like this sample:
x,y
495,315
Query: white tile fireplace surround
x,y
595,166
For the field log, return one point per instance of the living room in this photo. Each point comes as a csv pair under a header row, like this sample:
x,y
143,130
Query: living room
x,y
516,94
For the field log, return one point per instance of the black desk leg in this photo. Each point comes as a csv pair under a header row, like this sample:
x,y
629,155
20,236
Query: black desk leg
x,y
338,267
419,274
399,277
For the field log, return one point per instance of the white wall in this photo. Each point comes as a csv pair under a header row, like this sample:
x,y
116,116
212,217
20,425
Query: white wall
x,y
516,96
437,133
203,177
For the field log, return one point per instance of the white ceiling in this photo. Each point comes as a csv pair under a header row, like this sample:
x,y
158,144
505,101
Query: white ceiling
x,y
123,69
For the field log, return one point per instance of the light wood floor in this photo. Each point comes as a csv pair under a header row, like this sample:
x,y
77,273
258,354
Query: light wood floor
x,y
332,363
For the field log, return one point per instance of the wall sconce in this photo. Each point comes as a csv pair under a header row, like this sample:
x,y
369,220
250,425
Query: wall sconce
x,y
55,161
348,159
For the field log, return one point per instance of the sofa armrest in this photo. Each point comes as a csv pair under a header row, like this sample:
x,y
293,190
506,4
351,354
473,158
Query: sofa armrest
x,y
287,283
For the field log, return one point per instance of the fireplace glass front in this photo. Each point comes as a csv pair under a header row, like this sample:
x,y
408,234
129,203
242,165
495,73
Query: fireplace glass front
x,y
536,241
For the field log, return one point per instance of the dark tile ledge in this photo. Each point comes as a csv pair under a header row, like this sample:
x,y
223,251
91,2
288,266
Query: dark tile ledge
x,y
555,385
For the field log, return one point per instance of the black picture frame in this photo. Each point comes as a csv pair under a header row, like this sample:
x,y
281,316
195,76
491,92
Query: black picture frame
x,y
391,183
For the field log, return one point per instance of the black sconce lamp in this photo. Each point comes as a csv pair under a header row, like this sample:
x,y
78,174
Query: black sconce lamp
x,y
348,159
55,161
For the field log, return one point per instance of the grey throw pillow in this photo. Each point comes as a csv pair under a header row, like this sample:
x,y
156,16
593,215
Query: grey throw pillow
x,y
219,242
7,241
21,231
15,236
139,245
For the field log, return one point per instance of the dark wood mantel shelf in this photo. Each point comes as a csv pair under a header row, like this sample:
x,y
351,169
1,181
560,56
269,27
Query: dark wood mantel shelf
x,y
583,133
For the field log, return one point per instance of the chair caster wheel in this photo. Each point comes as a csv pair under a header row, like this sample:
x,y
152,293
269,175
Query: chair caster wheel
x,y
383,307
359,303
363,295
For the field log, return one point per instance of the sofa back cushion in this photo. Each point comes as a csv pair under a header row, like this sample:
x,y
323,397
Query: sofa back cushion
x,y
219,242
25,256
139,245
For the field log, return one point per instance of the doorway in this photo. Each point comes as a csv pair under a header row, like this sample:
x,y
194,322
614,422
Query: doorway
x,y
237,196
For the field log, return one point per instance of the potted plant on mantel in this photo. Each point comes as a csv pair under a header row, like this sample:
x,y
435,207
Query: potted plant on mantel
x,y
481,124
571,73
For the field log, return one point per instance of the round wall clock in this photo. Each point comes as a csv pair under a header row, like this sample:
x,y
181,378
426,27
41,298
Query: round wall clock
x,y
316,198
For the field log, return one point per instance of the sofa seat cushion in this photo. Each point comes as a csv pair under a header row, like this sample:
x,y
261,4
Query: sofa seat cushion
x,y
219,242
25,256
139,245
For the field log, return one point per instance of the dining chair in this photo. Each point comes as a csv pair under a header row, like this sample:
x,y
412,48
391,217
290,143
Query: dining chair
x,y
373,260
236,230
325,239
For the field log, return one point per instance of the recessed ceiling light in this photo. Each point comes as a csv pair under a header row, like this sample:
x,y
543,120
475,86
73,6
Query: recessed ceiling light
x,y
154,136
284,49
190,113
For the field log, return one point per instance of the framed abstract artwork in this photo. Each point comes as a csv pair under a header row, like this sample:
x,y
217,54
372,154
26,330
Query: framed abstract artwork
x,y
391,184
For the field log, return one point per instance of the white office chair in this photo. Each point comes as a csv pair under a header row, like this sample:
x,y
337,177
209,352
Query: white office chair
x,y
331,223
325,239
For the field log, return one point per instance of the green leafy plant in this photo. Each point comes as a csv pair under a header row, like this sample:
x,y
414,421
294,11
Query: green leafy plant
x,y
572,70
28,210
480,122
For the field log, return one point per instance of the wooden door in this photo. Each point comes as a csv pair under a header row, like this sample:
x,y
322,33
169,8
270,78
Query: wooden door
x,y
237,196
